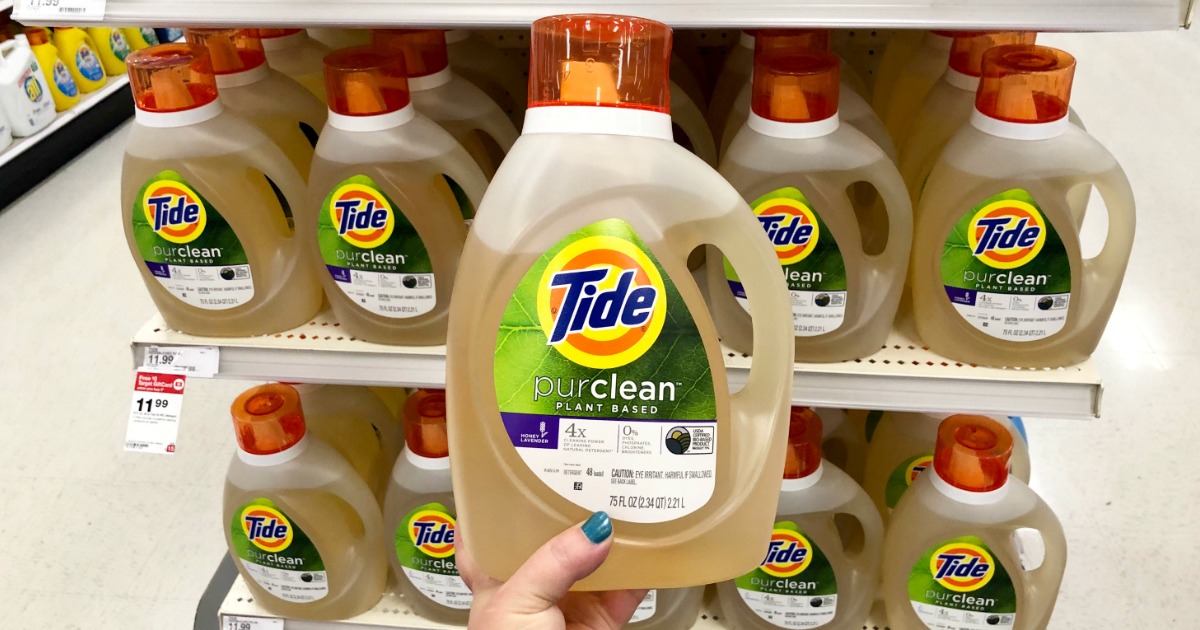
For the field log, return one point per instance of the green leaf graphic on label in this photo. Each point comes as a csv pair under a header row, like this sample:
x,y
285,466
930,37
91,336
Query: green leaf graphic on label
x,y
424,540
962,574
262,534
1006,270
903,477
173,224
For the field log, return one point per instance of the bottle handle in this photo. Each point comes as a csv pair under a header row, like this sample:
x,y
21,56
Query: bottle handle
x,y
462,168
1114,189
270,160
353,490
897,204
1047,576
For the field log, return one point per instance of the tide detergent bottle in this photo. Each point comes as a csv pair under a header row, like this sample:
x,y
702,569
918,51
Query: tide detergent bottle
x,y
80,53
584,371
913,82
485,65
668,609
112,47
58,77
139,38
295,54
969,546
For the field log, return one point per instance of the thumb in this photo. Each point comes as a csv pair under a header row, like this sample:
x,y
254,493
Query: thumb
x,y
556,566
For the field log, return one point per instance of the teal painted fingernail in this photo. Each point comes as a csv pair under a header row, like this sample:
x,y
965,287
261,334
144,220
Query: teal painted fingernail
x,y
598,527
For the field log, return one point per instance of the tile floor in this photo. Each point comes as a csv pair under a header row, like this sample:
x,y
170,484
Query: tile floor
x,y
92,537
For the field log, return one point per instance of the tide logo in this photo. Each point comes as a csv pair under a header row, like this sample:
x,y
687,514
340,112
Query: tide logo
x,y
962,567
601,302
788,554
1007,234
362,215
791,226
32,88
918,466
175,211
267,528
432,532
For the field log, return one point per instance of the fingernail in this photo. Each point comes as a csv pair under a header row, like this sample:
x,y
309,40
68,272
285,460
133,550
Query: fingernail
x,y
597,528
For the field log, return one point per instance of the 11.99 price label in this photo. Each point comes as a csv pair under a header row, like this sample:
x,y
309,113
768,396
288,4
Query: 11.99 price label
x,y
154,412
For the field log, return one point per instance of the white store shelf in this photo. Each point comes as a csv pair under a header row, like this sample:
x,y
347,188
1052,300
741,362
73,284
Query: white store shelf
x,y
86,102
902,376
1087,15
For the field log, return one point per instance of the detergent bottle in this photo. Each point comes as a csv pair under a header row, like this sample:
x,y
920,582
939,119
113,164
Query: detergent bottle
x,y
901,46
474,119
845,441
25,97
578,331
357,425
337,38
303,529
204,224
668,609
689,127
913,83
969,546
821,566
139,38
80,53
795,163
295,54
5,130
384,217
998,276
112,48
393,398
58,78
499,76
168,35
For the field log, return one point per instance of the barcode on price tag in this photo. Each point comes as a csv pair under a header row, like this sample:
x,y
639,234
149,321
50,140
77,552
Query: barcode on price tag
x,y
200,361
59,10
154,412
231,622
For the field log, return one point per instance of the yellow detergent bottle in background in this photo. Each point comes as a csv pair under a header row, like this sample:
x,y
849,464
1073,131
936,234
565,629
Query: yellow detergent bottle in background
x,y
112,47
295,54
205,227
384,218
58,77
821,566
668,609
913,83
795,164
139,38
303,529
337,38
901,46
79,52
902,448
584,372
970,546
497,74
473,118
392,397
357,425
998,275
289,114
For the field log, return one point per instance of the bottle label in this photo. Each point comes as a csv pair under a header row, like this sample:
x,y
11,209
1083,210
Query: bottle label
x,y
119,46
62,78
811,259
603,380
373,252
189,247
88,63
462,201
959,585
277,554
903,476
33,90
425,548
795,586
150,37
1006,270
647,608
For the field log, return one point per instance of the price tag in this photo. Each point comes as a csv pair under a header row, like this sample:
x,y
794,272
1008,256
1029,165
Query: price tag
x,y
59,10
154,412
199,361
231,622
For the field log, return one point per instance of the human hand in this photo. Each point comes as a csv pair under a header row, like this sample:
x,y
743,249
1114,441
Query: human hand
x,y
536,597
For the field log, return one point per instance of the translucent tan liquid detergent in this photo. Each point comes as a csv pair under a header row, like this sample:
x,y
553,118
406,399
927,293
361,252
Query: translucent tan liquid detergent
x,y
844,443
688,122
498,75
282,108
474,119
303,529
965,547
795,163
418,516
337,38
668,609
734,76
914,82
390,196
298,56
578,331
902,446
207,231
821,567
683,77
357,425
901,47
998,277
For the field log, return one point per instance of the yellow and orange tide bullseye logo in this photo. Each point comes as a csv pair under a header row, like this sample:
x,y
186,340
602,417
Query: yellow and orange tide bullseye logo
x,y
1007,234
962,567
266,528
433,533
918,466
602,302
791,226
788,554
175,211
361,215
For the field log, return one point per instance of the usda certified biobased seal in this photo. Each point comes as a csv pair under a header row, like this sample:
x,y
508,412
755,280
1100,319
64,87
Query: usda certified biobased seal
x,y
959,585
277,554
603,381
424,545
795,586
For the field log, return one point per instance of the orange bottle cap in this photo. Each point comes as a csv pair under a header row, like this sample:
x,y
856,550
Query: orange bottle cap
x,y
37,35
795,86
600,60
804,444
171,78
424,51
1025,83
365,81
268,419
272,33
791,39
425,423
966,53
972,453
232,49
